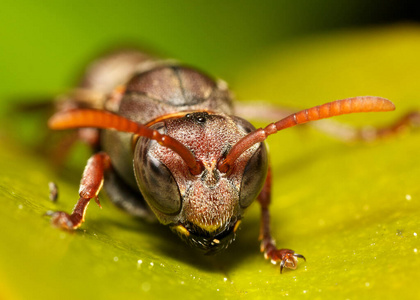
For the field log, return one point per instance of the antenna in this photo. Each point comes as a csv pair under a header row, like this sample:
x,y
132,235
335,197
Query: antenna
x,y
331,109
80,118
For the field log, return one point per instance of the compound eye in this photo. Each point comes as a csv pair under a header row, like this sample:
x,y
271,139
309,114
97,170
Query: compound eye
x,y
154,179
255,171
254,176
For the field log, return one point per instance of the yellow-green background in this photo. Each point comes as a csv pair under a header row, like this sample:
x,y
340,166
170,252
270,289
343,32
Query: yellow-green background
x,y
343,206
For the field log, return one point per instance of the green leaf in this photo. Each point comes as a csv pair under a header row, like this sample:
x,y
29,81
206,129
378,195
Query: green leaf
x,y
352,210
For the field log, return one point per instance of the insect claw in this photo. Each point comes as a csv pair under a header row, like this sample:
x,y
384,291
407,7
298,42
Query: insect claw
x,y
97,202
288,258
299,256
282,265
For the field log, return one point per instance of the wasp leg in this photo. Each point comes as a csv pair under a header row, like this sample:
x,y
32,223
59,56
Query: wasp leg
x,y
349,133
62,144
340,131
90,185
287,258
409,120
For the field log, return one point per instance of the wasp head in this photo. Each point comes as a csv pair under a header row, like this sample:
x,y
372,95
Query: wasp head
x,y
204,209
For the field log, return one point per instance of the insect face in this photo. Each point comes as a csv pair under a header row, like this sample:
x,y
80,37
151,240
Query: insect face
x,y
203,209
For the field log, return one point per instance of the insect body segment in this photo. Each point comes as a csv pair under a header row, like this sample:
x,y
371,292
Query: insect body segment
x,y
170,145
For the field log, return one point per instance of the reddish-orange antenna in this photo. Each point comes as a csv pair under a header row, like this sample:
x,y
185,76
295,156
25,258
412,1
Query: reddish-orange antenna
x,y
80,118
331,109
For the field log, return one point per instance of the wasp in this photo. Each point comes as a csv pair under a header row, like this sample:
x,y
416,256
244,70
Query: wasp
x,y
168,146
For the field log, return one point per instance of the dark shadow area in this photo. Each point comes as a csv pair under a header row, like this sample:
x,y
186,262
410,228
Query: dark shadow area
x,y
169,244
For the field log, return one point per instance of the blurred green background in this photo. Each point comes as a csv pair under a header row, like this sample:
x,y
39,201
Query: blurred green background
x,y
352,210
44,46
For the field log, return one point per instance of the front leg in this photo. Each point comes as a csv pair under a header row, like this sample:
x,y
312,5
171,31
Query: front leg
x,y
286,257
90,185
